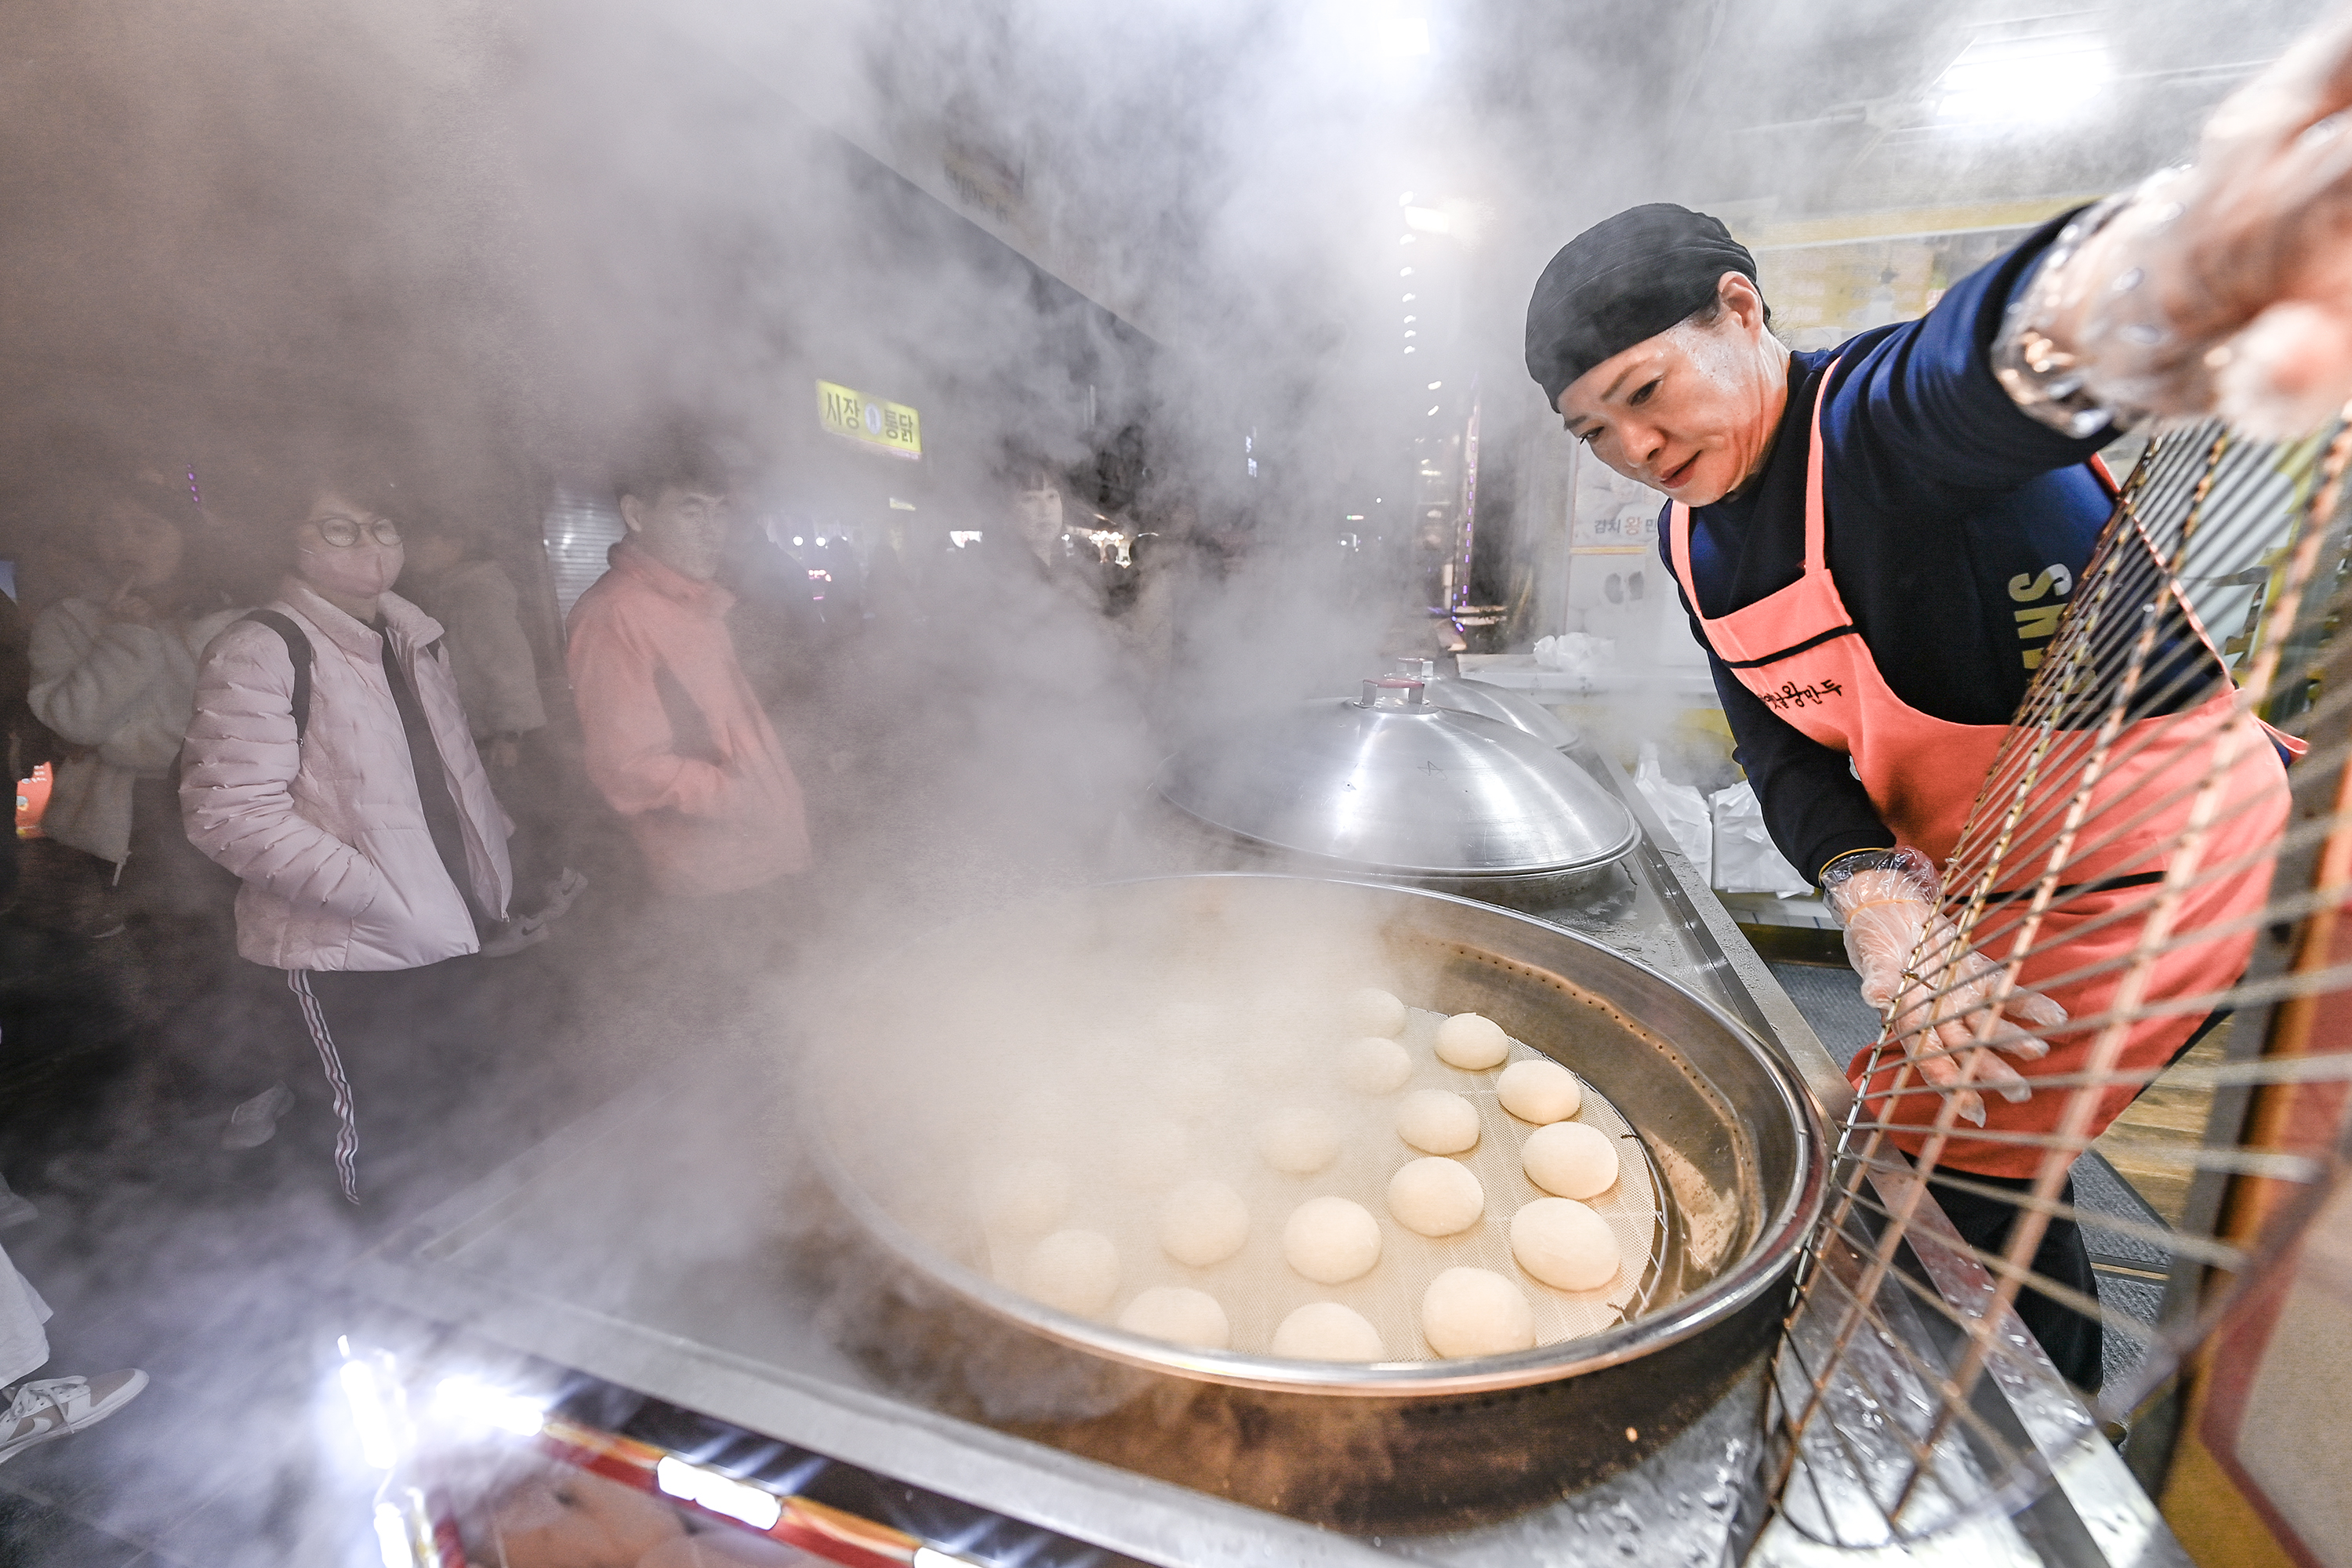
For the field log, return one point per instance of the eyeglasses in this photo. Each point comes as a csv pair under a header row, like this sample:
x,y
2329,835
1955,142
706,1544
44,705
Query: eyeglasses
x,y
343,533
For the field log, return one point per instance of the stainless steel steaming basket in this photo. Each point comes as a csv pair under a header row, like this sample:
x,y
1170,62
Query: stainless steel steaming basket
x,y
1737,1141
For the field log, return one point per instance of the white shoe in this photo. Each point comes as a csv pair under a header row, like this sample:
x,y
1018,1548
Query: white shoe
x,y
515,936
562,894
255,1122
55,1406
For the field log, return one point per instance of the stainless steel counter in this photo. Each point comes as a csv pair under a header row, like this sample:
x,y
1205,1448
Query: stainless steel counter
x,y
624,1248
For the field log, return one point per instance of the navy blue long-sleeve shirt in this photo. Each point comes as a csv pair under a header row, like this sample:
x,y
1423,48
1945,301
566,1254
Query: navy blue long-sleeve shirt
x,y
1957,530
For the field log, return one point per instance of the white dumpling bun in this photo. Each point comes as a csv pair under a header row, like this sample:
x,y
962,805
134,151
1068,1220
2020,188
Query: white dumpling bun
x,y
1298,1138
1472,1042
1570,1159
1374,1065
1539,1092
1074,1270
1151,1152
1564,1244
1434,1196
1437,1121
1325,1331
1372,1011
1331,1240
1025,1197
1182,1316
1476,1311
1204,1222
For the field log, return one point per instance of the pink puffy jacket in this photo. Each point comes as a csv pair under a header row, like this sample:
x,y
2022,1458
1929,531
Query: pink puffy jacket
x,y
328,836
675,739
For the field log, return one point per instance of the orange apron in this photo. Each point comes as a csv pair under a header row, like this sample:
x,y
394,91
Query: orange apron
x,y
1799,651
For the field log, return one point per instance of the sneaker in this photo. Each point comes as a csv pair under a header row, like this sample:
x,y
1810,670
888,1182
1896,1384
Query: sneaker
x,y
514,936
255,1122
562,894
53,1407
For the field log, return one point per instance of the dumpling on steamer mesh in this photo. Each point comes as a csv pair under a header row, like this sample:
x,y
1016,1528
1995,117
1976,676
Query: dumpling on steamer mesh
x,y
1437,1121
1203,1223
1374,1065
1435,1196
1476,1311
1331,1240
1372,1011
1472,1042
1539,1092
1570,1159
1325,1331
1180,1315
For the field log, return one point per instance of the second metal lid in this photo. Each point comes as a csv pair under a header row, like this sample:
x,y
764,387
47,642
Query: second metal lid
x,y
1392,781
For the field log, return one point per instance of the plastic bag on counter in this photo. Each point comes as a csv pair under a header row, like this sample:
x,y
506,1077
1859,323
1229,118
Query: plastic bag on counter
x,y
1682,808
1577,653
1746,859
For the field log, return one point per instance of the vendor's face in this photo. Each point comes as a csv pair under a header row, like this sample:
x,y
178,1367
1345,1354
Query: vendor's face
x,y
683,529
1691,411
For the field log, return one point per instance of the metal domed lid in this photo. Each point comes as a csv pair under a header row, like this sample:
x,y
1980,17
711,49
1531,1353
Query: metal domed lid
x,y
1392,781
1489,700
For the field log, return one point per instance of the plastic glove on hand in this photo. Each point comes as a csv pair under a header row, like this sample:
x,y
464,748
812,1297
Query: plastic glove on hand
x,y
1932,990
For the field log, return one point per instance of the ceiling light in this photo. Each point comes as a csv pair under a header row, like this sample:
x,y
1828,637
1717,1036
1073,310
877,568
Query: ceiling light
x,y
1435,384
1434,408
1411,319
1408,348
1404,239
1404,272
2039,69
1408,298
1405,200
1429,220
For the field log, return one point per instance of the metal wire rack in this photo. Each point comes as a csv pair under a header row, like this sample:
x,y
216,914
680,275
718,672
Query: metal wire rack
x,y
2133,853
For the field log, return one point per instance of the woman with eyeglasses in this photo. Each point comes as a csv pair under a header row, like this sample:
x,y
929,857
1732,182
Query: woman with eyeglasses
x,y
331,767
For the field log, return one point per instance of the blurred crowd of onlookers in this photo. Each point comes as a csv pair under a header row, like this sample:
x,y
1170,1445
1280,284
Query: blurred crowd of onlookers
x,y
305,800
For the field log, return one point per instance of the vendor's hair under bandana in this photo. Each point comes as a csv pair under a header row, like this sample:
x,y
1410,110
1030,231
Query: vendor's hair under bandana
x,y
1623,279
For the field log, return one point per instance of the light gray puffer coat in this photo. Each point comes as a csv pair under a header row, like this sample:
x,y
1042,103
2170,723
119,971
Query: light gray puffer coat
x,y
328,836
121,690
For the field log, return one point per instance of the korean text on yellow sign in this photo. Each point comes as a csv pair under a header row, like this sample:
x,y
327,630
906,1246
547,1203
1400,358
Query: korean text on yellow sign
x,y
893,426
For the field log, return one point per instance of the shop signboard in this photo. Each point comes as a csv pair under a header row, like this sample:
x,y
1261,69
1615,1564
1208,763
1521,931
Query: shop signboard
x,y
893,428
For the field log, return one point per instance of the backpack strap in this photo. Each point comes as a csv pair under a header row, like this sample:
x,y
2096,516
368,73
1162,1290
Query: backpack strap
x,y
297,653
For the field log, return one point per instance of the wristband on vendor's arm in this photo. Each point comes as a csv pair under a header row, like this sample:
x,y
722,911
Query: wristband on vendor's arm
x,y
2219,287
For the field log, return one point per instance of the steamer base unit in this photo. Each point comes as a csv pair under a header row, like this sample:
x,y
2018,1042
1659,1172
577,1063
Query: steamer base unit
x,y
608,1272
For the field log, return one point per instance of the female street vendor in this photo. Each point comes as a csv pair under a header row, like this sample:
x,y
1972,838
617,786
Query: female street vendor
x,y
1858,532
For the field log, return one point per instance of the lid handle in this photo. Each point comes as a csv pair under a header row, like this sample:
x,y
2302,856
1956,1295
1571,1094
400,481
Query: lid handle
x,y
1391,693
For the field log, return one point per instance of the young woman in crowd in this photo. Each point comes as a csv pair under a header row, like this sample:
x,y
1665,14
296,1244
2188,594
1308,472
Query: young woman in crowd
x,y
330,766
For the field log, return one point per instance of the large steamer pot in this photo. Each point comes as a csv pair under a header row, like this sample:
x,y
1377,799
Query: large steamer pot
x,y
1394,1446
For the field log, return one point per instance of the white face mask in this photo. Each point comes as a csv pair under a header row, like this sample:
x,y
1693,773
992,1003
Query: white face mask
x,y
356,571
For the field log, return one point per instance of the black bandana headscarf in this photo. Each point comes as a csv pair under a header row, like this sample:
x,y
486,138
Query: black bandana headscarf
x,y
1623,279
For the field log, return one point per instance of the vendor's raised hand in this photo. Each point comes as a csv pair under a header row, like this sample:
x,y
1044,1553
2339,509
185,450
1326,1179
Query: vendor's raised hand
x,y
1934,992
2226,287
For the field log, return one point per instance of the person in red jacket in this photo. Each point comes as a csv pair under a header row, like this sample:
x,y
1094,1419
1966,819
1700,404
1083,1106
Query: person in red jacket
x,y
675,738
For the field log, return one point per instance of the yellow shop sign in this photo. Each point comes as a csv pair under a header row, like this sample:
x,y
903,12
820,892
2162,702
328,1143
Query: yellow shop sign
x,y
893,426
